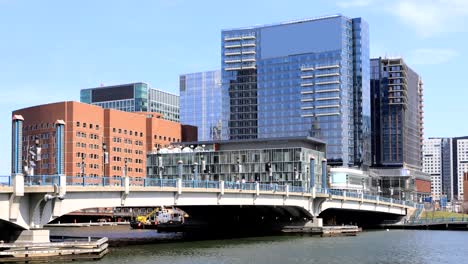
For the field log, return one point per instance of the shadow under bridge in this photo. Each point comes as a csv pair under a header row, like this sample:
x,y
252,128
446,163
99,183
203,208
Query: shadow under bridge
x,y
250,219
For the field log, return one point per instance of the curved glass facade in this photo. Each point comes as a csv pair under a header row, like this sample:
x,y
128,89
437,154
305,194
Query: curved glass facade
x,y
200,95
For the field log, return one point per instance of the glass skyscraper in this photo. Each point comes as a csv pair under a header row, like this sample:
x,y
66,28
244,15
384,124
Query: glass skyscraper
x,y
133,97
301,78
200,100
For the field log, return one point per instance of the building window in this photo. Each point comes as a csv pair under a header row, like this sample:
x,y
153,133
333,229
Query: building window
x,y
78,124
84,125
113,129
97,127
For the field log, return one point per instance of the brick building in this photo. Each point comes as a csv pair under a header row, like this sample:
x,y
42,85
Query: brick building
x,y
90,131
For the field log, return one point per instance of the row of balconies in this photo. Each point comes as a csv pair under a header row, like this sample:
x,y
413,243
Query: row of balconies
x,y
240,45
235,38
243,52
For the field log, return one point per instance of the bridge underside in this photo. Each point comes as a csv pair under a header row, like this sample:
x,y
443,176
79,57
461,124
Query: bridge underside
x,y
8,230
365,219
251,219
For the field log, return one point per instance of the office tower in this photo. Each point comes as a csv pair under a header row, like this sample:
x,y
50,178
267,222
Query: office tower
x,y
89,132
397,120
450,168
133,97
300,78
200,103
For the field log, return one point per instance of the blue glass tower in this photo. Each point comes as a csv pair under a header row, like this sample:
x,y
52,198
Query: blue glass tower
x,y
200,103
300,78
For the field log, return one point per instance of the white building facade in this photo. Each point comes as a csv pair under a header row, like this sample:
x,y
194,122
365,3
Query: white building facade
x,y
432,165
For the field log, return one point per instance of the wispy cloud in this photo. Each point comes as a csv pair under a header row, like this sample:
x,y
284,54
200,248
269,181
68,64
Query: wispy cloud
x,y
354,3
431,56
427,18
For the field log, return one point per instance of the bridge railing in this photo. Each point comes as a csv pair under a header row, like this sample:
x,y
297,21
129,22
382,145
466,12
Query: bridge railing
x,y
5,180
49,180
297,189
439,220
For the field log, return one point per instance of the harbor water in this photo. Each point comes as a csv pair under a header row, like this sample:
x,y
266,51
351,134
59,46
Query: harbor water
x,y
394,246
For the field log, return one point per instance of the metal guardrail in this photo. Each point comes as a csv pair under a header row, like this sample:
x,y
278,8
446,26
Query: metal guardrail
x,y
5,180
444,220
50,180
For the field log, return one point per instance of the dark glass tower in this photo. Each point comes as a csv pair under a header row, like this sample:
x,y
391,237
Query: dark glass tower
x,y
133,97
397,121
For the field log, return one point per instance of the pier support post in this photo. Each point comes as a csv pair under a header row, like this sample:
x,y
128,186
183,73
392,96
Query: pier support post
x,y
31,236
179,186
221,186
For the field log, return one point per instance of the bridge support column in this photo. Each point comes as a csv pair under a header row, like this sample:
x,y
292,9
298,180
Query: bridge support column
x,y
179,186
31,236
221,186
126,189
15,198
287,190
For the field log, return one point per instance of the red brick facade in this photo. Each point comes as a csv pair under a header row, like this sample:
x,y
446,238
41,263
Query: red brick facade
x,y
126,135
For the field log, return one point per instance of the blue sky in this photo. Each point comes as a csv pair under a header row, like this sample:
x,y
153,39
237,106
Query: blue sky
x,y
49,50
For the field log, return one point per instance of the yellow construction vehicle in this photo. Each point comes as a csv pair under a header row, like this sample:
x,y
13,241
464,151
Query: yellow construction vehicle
x,y
144,218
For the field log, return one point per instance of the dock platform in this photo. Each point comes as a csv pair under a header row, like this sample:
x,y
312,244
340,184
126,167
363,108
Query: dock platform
x,y
43,252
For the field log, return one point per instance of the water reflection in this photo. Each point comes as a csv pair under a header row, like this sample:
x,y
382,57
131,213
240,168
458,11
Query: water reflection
x,y
396,246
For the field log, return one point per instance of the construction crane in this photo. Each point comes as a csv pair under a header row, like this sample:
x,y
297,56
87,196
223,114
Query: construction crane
x,y
143,218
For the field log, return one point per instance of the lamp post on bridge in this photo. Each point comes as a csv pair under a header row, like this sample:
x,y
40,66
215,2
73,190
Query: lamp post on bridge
x,y
179,169
363,182
83,165
105,158
160,165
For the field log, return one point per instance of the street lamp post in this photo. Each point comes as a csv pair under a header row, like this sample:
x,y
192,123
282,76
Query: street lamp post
x,y
195,171
179,168
83,165
104,159
363,182
160,165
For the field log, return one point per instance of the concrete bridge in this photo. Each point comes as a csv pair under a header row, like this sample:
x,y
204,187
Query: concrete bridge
x,y
33,201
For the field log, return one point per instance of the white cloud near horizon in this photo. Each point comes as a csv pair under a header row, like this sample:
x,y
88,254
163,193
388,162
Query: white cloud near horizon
x,y
426,17
428,56
354,3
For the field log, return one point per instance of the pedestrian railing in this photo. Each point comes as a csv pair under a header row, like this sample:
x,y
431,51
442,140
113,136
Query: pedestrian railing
x,y
439,220
50,180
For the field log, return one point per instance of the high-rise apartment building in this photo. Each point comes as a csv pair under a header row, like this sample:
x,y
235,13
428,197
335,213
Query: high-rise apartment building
x,y
397,114
133,97
301,78
200,100
432,164
397,129
446,159
88,132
